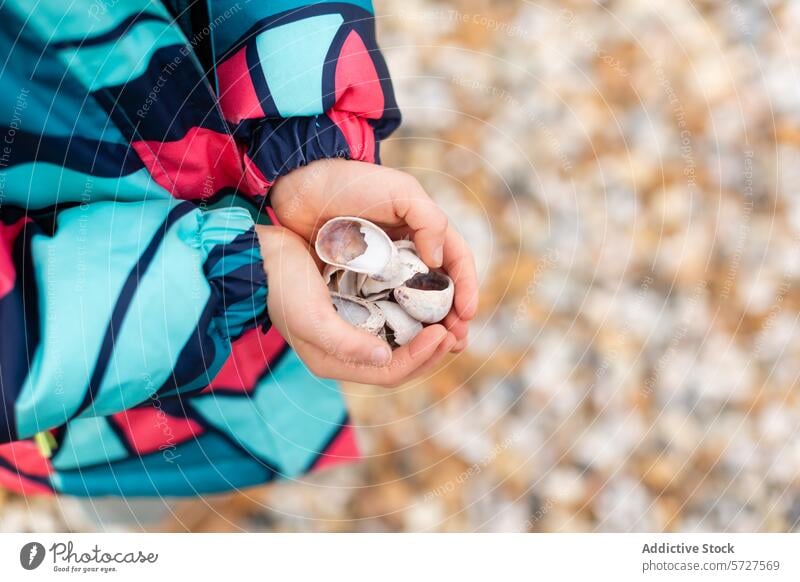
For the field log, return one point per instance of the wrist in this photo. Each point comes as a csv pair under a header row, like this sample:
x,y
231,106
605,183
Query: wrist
x,y
298,183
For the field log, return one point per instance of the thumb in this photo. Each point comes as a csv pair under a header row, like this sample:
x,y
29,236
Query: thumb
x,y
346,342
307,309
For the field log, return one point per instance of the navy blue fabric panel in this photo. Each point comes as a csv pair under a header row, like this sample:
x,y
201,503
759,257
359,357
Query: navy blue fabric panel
x,y
98,158
247,241
19,335
260,81
191,370
171,97
198,356
281,145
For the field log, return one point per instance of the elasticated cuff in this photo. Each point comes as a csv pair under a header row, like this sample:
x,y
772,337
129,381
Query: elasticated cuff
x,y
234,269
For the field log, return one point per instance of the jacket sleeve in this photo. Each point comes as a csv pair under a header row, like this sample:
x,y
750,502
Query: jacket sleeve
x,y
301,84
115,304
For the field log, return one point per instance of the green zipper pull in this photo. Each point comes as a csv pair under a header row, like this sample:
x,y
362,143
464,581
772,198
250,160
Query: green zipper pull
x,y
46,442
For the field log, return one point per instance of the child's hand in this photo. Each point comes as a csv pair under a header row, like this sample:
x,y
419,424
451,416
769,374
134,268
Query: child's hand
x,y
307,197
300,307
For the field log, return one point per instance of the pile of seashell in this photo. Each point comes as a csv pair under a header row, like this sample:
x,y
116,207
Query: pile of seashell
x,y
378,284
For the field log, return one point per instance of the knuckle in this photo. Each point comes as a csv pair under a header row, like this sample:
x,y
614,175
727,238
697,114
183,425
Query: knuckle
x,y
441,221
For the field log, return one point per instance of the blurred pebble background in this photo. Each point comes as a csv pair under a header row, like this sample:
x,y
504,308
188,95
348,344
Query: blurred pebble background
x,y
627,175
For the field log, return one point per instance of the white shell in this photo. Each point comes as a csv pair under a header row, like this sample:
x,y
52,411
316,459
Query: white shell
x,y
430,304
340,280
358,245
329,271
406,265
378,296
359,313
401,323
404,243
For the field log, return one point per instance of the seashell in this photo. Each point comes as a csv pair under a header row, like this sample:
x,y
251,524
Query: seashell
x,y
427,297
405,244
406,265
357,245
403,326
342,281
359,313
330,272
385,294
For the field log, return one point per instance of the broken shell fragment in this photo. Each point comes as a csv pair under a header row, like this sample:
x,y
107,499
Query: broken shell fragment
x,y
385,294
405,244
403,326
360,313
427,297
342,281
406,265
357,245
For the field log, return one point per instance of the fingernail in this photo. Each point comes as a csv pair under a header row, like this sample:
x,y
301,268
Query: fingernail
x,y
381,355
438,256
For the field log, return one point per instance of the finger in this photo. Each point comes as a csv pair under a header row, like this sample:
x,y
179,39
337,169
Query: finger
x,y
460,345
408,358
455,325
326,330
460,267
444,348
393,198
405,360
427,220
460,330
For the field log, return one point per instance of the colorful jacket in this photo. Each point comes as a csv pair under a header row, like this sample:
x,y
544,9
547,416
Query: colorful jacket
x,y
138,142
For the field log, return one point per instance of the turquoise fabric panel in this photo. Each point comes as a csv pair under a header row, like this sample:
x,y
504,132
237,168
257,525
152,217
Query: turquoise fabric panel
x,y
79,274
170,297
292,57
40,97
122,59
286,422
238,316
88,441
83,19
40,184
221,226
242,420
221,353
233,18
232,261
303,412
205,465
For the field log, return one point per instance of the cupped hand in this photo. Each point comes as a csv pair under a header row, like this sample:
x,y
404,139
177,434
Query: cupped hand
x,y
307,197
300,307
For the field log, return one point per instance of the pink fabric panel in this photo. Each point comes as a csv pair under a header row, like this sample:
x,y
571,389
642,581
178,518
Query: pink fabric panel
x,y
8,236
26,456
358,95
343,449
150,429
238,97
198,165
250,356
